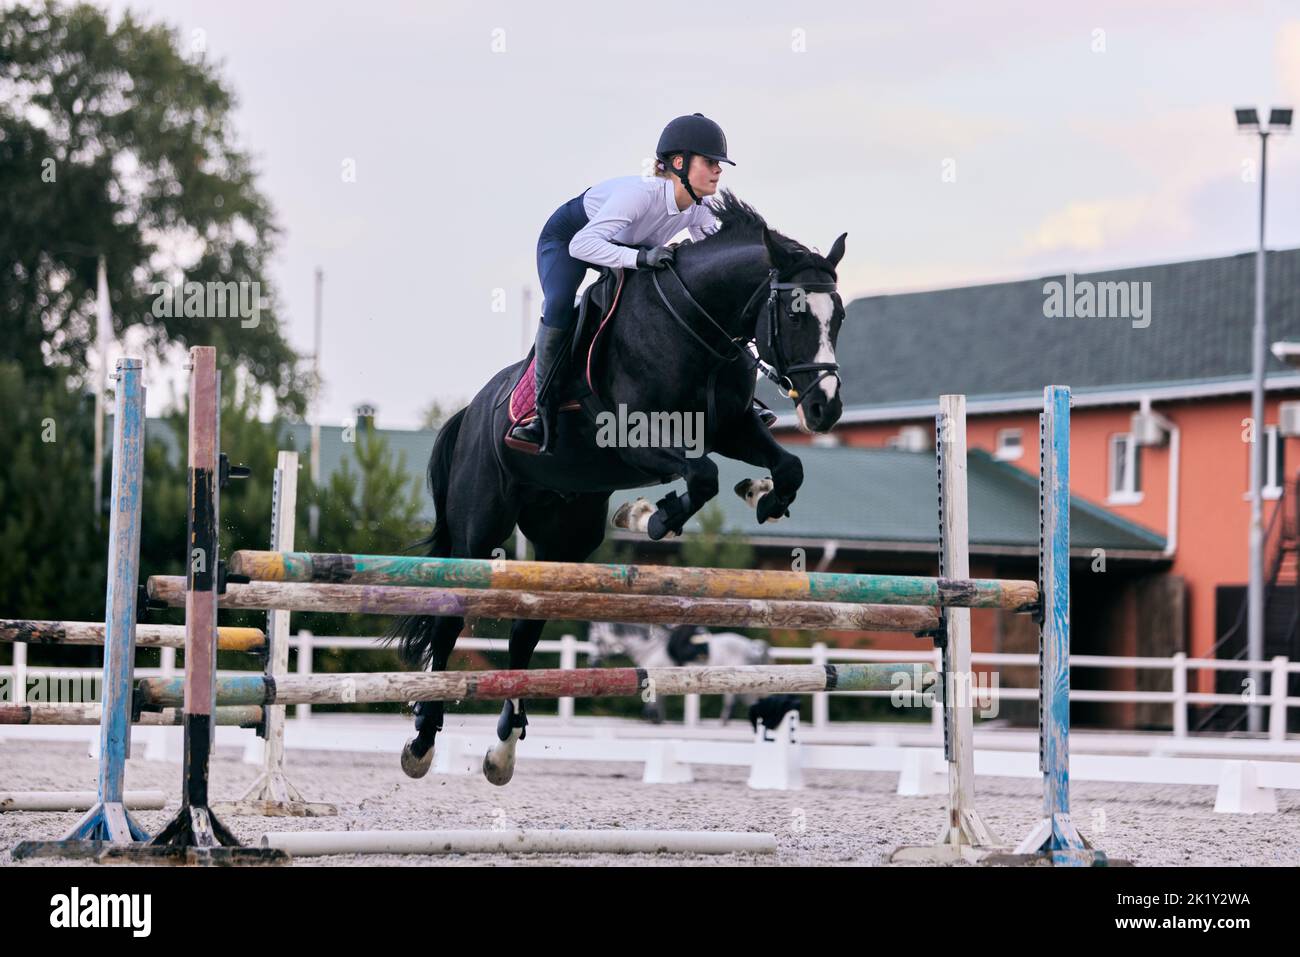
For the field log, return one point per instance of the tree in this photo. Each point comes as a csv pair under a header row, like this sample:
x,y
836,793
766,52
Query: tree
x,y
713,546
370,505
55,553
435,415
114,142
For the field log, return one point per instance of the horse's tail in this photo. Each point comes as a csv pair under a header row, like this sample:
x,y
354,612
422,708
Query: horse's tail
x,y
439,481
414,634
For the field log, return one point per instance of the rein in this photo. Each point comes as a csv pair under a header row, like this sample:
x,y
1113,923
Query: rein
x,y
780,372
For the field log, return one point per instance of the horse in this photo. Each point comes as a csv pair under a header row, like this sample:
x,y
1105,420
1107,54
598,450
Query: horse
x,y
687,339
658,646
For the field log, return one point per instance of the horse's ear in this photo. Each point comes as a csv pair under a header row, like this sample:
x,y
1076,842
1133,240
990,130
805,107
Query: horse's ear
x,y
782,261
837,250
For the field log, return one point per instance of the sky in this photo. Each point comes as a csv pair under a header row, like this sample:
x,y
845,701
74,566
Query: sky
x,y
956,143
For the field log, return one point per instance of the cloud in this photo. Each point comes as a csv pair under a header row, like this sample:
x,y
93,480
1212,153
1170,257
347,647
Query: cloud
x,y
1161,163
1288,63
1088,226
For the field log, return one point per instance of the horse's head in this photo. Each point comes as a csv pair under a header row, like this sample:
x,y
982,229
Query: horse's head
x,y
798,327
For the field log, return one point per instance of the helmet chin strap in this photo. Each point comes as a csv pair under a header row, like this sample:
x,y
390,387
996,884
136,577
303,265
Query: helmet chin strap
x,y
685,176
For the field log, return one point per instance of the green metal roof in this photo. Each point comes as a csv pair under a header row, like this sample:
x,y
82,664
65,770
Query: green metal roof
x,y
415,445
888,497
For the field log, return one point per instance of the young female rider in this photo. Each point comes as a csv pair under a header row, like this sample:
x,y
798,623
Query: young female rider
x,y
598,227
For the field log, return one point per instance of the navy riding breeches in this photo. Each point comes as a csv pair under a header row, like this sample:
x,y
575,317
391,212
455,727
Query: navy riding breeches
x,y
560,273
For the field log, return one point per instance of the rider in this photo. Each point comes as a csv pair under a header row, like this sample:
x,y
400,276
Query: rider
x,y
598,227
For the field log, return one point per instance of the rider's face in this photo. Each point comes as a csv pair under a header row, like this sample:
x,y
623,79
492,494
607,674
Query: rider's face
x,y
704,175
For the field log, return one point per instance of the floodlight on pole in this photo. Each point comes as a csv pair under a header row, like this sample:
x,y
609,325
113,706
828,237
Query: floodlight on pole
x,y
1279,121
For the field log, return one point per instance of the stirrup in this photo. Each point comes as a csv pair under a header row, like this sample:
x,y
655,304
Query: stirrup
x,y
526,436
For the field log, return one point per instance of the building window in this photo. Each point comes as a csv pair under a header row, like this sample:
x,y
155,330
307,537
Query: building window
x,y
1125,471
910,438
1274,463
1010,445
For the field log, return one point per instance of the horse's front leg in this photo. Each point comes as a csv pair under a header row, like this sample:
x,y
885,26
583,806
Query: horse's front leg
x,y
751,442
672,511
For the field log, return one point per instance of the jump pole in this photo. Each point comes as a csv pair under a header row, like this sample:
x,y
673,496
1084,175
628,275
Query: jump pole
x,y
23,630
320,843
632,579
54,801
273,794
553,605
195,835
647,683
965,836
1054,840
244,716
108,821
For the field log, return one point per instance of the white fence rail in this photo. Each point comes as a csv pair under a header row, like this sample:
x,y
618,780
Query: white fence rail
x,y
570,649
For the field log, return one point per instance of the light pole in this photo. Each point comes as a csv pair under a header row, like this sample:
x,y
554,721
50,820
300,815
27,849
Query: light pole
x,y
1279,121
313,510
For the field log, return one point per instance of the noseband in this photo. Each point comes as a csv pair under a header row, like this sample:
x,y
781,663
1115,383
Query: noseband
x,y
783,368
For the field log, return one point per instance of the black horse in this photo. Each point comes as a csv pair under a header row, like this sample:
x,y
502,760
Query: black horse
x,y
677,343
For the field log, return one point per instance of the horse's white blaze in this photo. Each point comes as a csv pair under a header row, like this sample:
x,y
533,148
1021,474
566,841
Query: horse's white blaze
x,y
823,308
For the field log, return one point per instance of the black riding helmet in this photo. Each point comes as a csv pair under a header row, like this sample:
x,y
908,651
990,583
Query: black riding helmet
x,y
689,135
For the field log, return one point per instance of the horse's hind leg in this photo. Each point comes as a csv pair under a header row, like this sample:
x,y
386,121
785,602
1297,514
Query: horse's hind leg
x,y
485,524
560,532
418,753
441,633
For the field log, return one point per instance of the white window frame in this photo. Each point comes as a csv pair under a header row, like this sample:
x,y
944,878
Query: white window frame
x,y
907,436
1128,494
1003,451
1272,489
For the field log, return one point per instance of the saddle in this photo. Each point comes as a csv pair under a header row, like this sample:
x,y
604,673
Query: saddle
x,y
595,310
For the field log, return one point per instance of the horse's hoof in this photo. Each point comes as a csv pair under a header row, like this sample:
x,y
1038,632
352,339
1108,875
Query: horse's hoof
x,y
772,508
413,766
633,516
497,769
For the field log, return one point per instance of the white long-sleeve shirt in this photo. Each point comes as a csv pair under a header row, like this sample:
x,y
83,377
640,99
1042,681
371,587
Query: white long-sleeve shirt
x,y
637,212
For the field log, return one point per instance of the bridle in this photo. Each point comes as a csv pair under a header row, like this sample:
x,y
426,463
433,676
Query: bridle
x,y
783,368
780,369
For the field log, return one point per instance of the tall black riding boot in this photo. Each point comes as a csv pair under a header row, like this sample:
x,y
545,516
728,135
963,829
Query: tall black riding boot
x,y
548,356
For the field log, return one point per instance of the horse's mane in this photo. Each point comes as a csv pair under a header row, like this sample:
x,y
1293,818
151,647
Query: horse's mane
x,y
738,222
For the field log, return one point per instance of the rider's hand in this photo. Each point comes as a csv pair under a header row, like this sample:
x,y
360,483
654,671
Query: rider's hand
x,y
655,257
